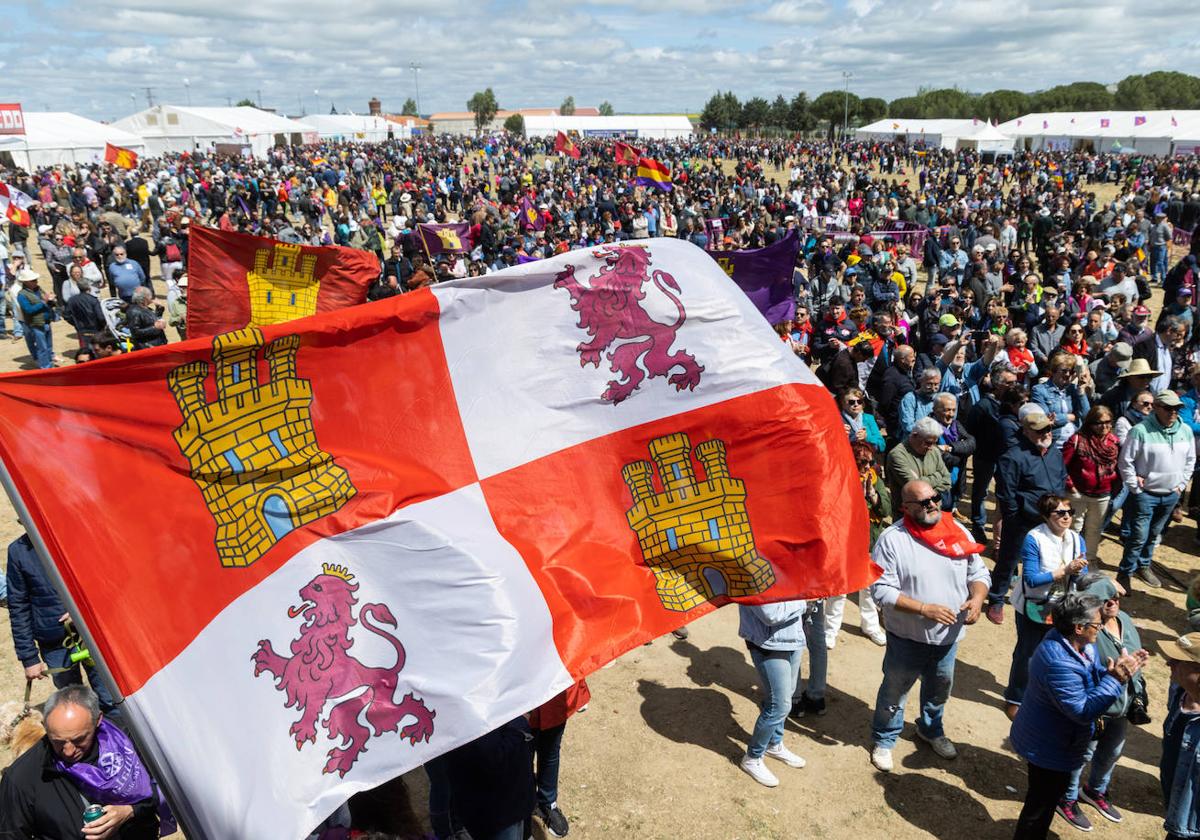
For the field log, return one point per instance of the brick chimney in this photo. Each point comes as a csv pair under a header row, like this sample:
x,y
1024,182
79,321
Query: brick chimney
x,y
375,106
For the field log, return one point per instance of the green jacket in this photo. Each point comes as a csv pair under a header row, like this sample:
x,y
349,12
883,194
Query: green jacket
x,y
904,465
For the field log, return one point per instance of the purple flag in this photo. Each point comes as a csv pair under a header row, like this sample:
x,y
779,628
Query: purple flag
x,y
452,238
765,275
529,216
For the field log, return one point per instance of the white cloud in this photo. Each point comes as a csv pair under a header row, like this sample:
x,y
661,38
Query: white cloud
x,y
793,12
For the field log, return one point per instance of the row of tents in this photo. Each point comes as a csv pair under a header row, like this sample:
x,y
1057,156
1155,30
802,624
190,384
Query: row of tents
x,y
61,138
1161,133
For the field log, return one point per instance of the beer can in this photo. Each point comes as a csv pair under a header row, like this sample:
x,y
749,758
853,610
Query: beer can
x,y
92,813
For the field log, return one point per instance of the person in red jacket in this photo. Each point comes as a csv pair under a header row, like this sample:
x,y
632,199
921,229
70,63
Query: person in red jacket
x,y
548,723
1090,456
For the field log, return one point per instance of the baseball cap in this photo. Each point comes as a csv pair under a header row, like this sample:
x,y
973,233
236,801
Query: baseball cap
x,y
1102,587
1184,649
1036,421
1168,398
1141,311
948,320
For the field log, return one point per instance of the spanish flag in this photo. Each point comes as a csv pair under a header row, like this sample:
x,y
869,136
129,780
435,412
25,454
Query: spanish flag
x,y
564,144
651,173
124,158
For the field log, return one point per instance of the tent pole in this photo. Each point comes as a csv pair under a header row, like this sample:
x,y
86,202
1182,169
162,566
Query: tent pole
x,y
184,813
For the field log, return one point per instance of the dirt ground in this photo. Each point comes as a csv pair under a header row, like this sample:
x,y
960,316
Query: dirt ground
x,y
655,755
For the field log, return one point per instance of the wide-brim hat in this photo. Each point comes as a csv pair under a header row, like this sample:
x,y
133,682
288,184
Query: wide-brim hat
x,y
1139,367
28,275
1184,649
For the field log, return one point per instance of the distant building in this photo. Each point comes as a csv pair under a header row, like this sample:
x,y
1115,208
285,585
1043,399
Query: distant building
x,y
463,122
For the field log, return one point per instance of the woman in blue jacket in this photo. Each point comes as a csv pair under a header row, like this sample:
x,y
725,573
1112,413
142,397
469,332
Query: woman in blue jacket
x,y
1179,770
1069,687
774,635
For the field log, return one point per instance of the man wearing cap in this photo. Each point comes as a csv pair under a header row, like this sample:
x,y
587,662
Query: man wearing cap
x,y
1111,365
1161,234
1159,349
1138,328
37,316
1179,768
1024,474
1156,462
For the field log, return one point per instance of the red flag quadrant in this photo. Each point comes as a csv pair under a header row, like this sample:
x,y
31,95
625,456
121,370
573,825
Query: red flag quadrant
x,y
237,280
651,173
625,154
15,205
564,144
120,156
472,530
449,238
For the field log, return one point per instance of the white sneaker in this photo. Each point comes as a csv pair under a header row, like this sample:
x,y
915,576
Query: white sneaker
x,y
759,771
881,757
878,637
785,755
942,745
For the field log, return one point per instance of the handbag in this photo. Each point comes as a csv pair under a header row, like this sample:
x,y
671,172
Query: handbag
x,y
1138,712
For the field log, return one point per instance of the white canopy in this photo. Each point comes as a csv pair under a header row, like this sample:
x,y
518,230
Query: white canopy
x,y
170,128
940,133
1148,132
354,127
58,138
649,126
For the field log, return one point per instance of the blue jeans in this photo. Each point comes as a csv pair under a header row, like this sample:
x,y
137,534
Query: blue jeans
x,y
818,654
778,670
37,339
1029,636
64,672
904,662
1158,262
1103,752
1148,516
547,743
441,814
980,479
516,831
1012,539
1114,505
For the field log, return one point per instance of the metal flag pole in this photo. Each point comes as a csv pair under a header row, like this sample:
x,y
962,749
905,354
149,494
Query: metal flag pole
x,y
185,815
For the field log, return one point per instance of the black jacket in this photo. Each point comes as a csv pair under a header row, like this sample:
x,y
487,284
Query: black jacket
x,y
492,779
39,803
85,313
34,608
892,388
140,321
983,422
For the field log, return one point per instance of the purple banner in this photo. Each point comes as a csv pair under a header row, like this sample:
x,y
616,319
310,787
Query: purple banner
x,y
453,238
1182,236
765,275
914,239
715,228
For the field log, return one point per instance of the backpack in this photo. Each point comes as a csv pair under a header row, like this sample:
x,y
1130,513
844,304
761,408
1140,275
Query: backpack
x,y
172,253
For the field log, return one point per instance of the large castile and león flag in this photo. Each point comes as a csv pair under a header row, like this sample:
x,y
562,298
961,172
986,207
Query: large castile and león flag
x,y
343,545
237,280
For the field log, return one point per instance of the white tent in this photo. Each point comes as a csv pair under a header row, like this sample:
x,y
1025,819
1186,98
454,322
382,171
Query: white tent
x,y
170,128
943,134
645,126
354,127
986,138
57,138
1148,132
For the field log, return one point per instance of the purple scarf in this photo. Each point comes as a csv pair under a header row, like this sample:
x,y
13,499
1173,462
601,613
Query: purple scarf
x,y
118,777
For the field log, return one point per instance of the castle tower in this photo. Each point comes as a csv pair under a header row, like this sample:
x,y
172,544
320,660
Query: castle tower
x,y
673,454
283,284
253,450
375,107
695,535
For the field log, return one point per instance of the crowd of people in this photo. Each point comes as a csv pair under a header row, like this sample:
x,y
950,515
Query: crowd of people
x,y
985,326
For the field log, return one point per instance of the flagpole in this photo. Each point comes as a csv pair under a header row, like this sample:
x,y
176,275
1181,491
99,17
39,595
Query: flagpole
x,y
184,814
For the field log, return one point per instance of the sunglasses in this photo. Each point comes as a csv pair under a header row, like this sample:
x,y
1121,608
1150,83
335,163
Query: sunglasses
x,y
1063,512
932,501
853,402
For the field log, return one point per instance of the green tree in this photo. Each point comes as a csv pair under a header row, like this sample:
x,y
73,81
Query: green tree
x,y
567,108
1077,96
1160,90
483,106
1003,105
835,106
779,113
515,124
907,107
606,109
755,113
800,116
872,108
723,112
247,103
410,108
947,103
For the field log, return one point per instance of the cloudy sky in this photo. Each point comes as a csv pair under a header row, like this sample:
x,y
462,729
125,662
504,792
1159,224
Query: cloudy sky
x,y
96,57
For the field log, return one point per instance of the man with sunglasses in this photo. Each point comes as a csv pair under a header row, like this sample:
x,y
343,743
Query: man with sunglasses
x,y
1156,462
933,585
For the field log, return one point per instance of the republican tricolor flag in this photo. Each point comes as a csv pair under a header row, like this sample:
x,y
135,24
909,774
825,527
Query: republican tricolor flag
x,y
15,205
396,526
119,156
651,173
564,144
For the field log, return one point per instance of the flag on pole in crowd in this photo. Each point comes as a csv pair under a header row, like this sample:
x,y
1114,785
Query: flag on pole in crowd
x,y
236,280
564,144
765,275
1105,122
587,451
651,173
120,156
449,238
625,154
530,218
1139,119
15,205
1045,124
1174,122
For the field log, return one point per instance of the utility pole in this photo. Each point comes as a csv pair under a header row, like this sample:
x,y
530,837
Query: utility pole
x,y
416,68
259,94
846,76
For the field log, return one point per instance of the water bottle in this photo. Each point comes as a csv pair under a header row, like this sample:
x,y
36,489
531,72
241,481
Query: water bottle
x,y
92,813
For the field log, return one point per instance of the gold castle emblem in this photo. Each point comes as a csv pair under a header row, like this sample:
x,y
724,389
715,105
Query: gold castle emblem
x,y
283,285
253,451
450,240
695,535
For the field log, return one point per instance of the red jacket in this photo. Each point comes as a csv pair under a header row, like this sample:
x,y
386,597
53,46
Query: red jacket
x,y
555,711
1086,474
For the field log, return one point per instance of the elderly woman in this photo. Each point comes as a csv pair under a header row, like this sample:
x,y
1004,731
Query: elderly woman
x,y
1104,750
1179,769
1070,686
1061,397
879,513
859,425
1051,556
1090,456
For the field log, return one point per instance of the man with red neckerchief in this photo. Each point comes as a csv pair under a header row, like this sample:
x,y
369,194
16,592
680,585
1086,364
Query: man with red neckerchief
x,y
933,584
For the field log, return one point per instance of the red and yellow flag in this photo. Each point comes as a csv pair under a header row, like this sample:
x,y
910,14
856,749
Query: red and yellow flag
x,y
625,154
237,280
564,144
120,156
651,173
15,205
